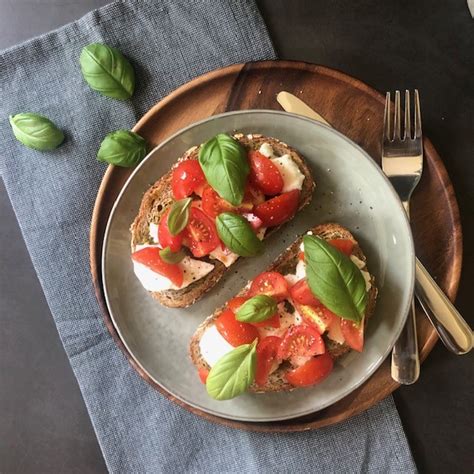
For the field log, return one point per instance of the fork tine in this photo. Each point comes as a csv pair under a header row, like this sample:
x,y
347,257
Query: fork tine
x,y
386,117
407,133
417,115
396,125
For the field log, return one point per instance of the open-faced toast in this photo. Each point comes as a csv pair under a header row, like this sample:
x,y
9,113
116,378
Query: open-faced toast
x,y
159,198
286,265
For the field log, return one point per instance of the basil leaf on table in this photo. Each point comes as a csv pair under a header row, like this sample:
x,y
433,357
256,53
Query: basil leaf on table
x,y
36,131
233,373
237,234
224,163
257,309
334,279
168,256
179,216
107,71
122,148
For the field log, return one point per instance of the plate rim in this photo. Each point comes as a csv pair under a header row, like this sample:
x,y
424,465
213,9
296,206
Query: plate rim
x,y
211,412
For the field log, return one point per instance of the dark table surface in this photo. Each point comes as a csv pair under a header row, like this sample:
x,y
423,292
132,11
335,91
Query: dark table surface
x,y
389,44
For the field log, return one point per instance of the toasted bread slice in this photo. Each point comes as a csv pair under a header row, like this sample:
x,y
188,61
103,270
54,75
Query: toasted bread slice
x,y
285,264
159,198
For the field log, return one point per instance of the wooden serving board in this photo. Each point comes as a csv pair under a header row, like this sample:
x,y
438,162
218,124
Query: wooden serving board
x,y
354,109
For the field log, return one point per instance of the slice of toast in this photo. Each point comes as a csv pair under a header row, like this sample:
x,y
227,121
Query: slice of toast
x,y
159,198
285,264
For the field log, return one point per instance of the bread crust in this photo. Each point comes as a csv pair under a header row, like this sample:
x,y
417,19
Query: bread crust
x,y
286,263
158,198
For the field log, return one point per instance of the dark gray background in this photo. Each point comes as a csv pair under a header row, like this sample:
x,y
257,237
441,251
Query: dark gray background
x,y
44,426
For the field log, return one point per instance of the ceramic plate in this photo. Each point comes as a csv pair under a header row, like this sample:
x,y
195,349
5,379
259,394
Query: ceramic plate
x,y
350,190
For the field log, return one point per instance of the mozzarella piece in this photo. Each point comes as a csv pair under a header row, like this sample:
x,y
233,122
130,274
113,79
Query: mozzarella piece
x,y
213,346
193,270
290,172
291,278
266,150
153,231
261,232
360,264
287,319
226,256
301,269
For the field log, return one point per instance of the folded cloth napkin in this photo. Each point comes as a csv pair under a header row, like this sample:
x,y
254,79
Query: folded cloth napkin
x,y
139,430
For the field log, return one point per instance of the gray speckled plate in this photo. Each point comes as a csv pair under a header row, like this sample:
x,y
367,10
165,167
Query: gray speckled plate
x,y
350,190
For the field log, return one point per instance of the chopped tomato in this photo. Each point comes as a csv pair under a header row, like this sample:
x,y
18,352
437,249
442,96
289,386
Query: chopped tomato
x,y
334,328
166,238
301,341
344,245
353,334
235,332
150,257
301,293
313,372
267,356
301,256
203,373
186,178
317,317
235,303
273,322
279,209
254,221
213,204
264,174
200,234
270,284
253,195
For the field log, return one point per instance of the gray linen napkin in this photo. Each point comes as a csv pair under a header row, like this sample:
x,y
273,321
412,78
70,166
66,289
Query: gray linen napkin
x,y
139,430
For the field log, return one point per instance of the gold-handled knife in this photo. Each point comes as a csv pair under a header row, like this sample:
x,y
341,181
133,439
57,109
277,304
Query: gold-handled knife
x,y
452,329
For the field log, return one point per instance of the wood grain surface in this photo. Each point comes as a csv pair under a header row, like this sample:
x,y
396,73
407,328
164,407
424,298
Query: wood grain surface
x,y
354,109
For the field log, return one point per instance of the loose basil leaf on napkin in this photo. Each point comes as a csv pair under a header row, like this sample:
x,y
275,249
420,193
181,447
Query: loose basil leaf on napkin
x,y
257,309
237,234
334,279
233,373
122,148
168,256
36,131
107,71
224,163
179,216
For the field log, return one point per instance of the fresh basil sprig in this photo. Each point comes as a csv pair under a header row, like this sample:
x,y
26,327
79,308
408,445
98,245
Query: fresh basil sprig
x,y
233,373
168,256
107,71
334,279
122,148
36,131
224,163
237,234
257,309
179,216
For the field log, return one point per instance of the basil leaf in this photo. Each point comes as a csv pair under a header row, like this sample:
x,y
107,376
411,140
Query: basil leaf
x,y
168,256
224,163
122,148
257,309
233,373
179,216
107,71
36,131
237,234
334,279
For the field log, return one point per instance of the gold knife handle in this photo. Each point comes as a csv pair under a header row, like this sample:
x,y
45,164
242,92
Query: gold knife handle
x,y
452,329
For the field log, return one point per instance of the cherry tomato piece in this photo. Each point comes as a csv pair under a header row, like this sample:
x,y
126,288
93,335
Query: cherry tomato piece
x,y
273,322
270,284
203,373
301,340
301,293
279,209
200,234
315,316
343,245
353,334
267,357
235,303
235,332
264,174
186,178
311,373
150,257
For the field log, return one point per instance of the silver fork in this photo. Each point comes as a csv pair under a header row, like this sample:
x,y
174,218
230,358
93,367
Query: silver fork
x,y
402,162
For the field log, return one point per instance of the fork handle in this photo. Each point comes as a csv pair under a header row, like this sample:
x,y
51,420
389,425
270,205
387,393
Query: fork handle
x,y
452,329
405,367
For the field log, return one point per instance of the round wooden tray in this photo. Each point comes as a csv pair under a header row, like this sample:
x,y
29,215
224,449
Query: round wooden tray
x,y
354,109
